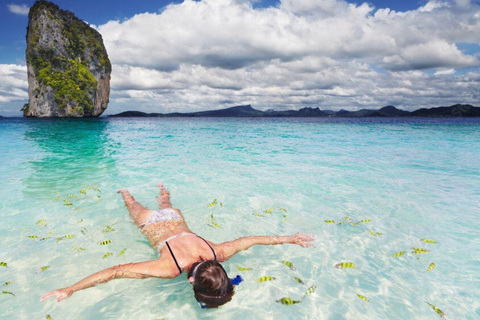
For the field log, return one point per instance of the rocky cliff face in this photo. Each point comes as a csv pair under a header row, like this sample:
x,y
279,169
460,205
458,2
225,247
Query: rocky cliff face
x,y
68,66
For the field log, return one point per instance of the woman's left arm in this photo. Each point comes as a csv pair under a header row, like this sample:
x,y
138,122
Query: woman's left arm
x,y
230,248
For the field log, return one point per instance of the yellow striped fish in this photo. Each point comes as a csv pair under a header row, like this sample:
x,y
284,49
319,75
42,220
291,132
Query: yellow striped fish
x,y
108,254
83,191
33,237
108,229
8,292
67,203
265,278
8,283
105,242
366,220
121,253
431,266
363,298
419,250
298,280
375,233
48,317
214,202
258,215
270,210
329,221
56,198
59,239
289,264
345,265
243,269
3,264
398,254
356,223
216,224
69,236
310,290
42,269
286,301
41,221
428,241
440,312
347,218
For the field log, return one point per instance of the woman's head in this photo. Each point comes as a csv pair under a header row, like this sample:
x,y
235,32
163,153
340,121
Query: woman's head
x,y
211,285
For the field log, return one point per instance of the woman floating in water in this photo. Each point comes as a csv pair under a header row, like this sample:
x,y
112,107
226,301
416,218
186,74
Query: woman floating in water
x,y
180,251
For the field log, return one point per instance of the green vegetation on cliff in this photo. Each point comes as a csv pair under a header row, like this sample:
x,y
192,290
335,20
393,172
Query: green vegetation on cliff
x,y
72,84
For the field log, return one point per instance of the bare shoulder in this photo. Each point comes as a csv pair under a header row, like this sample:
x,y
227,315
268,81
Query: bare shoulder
x,y
160,268
224,250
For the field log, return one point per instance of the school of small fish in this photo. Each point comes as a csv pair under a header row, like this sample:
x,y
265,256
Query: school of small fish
x,y
287,301
42,223
416,250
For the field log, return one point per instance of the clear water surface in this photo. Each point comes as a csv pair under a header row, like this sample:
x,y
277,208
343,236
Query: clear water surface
x,y
413,178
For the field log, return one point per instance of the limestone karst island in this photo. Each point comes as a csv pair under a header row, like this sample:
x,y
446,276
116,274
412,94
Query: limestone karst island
x,y
67,63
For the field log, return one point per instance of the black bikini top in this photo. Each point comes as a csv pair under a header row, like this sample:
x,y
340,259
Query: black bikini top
x,y
173,256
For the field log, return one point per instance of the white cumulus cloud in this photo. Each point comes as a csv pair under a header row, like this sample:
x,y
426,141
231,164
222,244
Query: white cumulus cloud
x,y
19,9
333,54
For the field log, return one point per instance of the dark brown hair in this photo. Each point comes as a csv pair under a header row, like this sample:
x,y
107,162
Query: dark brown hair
x,y
211,284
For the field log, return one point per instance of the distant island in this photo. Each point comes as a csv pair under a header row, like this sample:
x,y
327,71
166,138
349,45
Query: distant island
x,y
457,110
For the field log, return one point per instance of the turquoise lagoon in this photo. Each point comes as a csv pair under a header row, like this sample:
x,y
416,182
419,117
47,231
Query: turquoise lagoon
x,y
413,178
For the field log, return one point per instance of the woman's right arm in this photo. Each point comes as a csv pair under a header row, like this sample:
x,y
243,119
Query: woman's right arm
x,y
141,270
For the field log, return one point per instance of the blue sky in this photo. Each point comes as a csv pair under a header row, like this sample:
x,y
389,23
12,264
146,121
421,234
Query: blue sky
x,y
196,55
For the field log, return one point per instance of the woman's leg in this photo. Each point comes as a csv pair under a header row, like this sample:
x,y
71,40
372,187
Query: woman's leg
x,y
164,200
138,213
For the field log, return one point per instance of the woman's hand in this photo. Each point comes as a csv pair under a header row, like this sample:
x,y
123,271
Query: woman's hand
x,y
302,239
59,294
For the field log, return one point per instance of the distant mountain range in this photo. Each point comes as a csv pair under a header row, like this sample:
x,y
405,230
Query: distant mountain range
x,y
458,110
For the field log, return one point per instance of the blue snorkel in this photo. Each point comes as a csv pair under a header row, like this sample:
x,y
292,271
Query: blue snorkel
x,y
236,281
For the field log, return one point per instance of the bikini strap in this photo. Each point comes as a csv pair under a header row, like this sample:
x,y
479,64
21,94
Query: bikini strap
x,y
173,256
214,255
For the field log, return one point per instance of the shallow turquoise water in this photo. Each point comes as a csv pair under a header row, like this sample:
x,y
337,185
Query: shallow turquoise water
x,y
414,178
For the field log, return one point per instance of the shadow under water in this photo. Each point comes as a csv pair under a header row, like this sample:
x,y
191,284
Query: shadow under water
x,y
77,153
